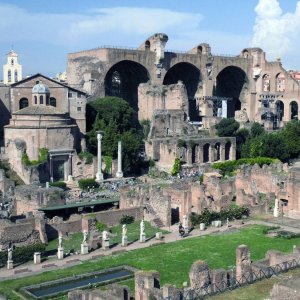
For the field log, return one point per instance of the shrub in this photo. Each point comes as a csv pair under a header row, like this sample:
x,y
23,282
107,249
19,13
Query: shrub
x,y
126,219
108,164
231,213
43,156
176,167
270,228
151,163
100,226
86,156
87,183
59,184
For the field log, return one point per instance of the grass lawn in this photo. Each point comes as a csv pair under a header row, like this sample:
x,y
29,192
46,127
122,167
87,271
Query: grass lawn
x,y
71,243
172,260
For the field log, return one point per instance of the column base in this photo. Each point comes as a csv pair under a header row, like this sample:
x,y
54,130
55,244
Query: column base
x,y
60,253
119,174
84,248
142,238
124,241
99,177
10,264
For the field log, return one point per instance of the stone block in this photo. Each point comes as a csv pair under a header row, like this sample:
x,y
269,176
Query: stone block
x,y
37,258
158,235
142,238
84,248
202,226
60,253
124,240
10,264
105,245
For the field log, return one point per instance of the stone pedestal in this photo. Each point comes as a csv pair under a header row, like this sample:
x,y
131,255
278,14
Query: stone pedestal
x,y
142,238
105,245
158,235
60,253
202,226
124,240
276,208
84,248
37,258
10,264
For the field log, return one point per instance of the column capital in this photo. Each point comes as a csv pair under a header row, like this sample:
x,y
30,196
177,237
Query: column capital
x,y
99,134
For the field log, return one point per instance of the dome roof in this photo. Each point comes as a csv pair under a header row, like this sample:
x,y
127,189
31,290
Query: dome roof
x,y
40,88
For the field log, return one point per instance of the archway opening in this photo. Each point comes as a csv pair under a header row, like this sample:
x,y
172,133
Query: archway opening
x,y
227,150
206,148
122,80
191,77
280,109
194,154
266,83
230,83
147,45
23,103
217,152
52,101
280,82
294,110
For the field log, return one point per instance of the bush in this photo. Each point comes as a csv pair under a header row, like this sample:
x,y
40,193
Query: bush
x,y
228,167
176,167
151,163
108,164
43,156
100,226
87,183
270,228
126,219
86,156
59,184
231,213
23,254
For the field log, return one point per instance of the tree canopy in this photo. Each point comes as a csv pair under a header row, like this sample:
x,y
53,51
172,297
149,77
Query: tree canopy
x,y
227,127
118,122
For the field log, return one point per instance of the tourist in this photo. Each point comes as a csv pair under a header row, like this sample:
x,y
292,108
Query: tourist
x,y
181,230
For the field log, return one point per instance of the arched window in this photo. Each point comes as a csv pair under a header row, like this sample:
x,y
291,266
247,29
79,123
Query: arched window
x,y
35,100
206,149
147,45
41,99
16,76
199,50
266,83
23,103
280,82
9,76
12,61
294,110
52,101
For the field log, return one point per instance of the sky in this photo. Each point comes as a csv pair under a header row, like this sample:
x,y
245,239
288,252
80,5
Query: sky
x,y
43,32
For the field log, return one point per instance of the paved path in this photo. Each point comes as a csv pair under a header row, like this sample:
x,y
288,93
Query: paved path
x,y
30,269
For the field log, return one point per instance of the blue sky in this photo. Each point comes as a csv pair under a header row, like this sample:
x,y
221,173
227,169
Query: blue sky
x,y
43,32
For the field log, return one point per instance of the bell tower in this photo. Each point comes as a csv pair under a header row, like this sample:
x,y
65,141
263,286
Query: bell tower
x,y
12,70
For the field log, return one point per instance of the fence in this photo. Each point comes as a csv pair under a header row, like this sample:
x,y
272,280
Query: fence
x,y
232,282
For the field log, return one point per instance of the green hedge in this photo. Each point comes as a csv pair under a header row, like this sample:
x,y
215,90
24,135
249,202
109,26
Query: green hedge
x,y
227,168
87,183
22,254
108,164
126,219
176,167
59,184
231,213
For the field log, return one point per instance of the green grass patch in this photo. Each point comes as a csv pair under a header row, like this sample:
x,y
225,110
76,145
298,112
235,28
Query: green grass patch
x,y
172,260
72,243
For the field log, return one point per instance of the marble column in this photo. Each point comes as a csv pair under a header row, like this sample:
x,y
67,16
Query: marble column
x,y
70,168
119,173
51,169
211,153
222,152
99,175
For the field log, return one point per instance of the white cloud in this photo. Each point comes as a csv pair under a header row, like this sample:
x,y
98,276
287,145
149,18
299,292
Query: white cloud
x,y
276,32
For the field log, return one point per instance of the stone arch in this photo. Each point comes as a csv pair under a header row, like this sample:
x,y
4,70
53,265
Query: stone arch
x,y
227,150
266,83
217,152
147,45
190,75
206,149
280,82
23,103
122,80
294,110
199,50
245,53
231,83
280,109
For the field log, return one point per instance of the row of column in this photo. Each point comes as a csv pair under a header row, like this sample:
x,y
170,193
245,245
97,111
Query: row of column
x,y
99,175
